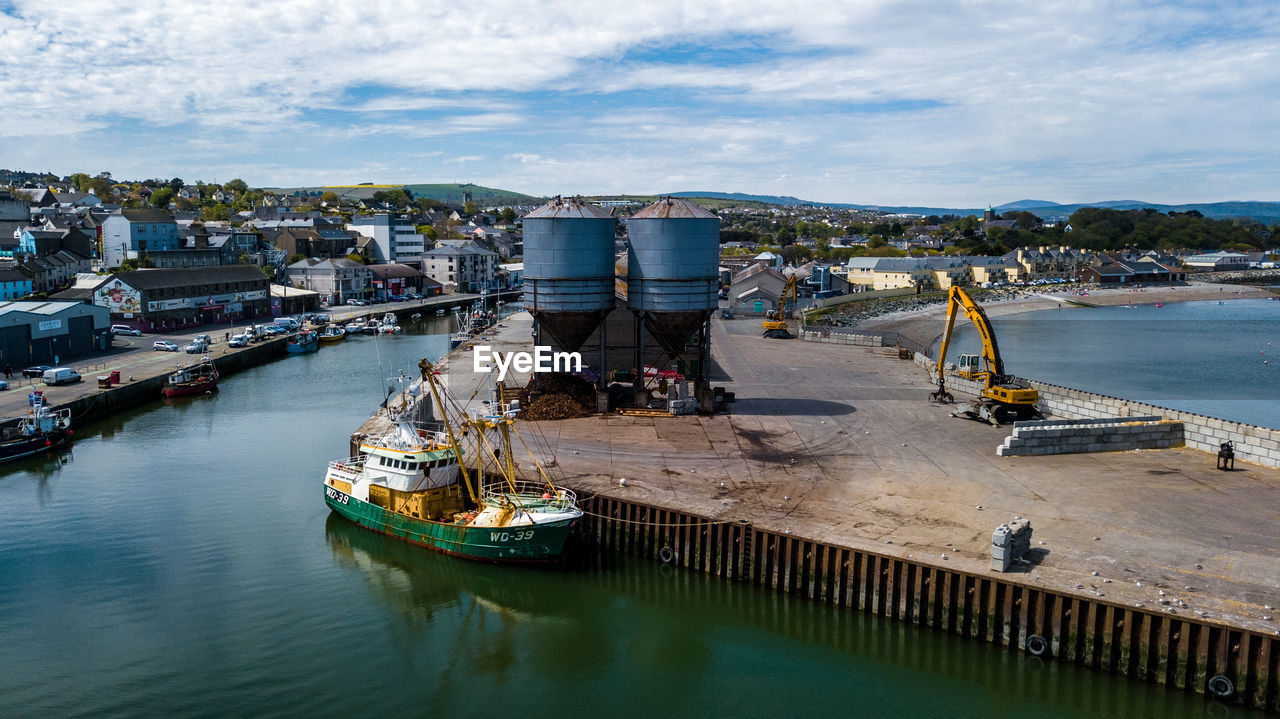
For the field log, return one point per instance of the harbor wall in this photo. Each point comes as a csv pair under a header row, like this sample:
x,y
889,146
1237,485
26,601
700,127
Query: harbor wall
x,y
1179,651
133,391
1259,445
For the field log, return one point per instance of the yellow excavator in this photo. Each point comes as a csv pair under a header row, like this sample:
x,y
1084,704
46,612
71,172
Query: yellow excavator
x,y
1003,398
775,321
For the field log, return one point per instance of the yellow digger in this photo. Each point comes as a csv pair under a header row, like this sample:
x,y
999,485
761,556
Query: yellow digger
x,y
1002,398
775,321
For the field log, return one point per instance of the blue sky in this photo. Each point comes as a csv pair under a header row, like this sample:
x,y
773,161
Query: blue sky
x,y
893,102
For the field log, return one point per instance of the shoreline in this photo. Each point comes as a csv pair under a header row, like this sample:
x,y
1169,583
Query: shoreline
x,y
925,325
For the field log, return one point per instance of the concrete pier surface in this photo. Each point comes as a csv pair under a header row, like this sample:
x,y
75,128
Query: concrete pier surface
x,y
839,444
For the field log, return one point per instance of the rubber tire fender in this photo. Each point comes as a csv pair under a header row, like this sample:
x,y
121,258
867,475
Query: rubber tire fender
x,y
1037,646
666,555
1221,687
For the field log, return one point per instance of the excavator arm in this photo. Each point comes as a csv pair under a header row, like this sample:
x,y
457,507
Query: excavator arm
x,y
993,367
776,319
1000,395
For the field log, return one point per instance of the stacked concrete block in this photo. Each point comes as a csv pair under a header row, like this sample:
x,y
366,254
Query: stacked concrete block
x,y
1009,543
1091,435
841,338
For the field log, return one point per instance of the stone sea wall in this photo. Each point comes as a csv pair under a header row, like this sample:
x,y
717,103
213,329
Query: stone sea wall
x,y
1259,445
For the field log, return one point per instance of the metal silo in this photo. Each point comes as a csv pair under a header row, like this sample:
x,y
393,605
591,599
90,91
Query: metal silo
x,y
568,268
673,269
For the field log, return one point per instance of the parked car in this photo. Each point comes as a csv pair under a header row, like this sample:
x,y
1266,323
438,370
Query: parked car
x,y
196,348
4,385
164,346
203,338
125,330
36,370
238,341
355,302
61,375
726,315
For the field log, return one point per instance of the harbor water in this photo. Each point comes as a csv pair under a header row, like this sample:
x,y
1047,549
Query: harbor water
x,y
180,561
1220,359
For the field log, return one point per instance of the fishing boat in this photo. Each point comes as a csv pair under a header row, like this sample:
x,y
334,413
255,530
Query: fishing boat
x,y
464,330
410,482
390,324
199,378
354,327
43,429
304,341
333,333
440,312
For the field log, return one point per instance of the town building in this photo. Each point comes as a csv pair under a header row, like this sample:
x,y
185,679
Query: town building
x,y
49,331
755,289
165,299
129,234
394,279
14,283
1216,262
462,269
393,239
336,280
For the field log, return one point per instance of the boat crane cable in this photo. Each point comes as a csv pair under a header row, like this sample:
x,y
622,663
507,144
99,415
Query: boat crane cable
x,y
541,471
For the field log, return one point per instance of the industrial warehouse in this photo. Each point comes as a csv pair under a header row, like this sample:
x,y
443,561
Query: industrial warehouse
x,y
47,330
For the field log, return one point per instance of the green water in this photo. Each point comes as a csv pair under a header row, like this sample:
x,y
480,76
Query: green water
x,y
181,562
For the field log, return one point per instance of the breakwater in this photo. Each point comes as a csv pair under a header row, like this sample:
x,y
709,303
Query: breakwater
x,y
1180,651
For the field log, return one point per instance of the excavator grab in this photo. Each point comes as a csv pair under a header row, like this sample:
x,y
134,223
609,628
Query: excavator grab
x,y
775,321
1002,397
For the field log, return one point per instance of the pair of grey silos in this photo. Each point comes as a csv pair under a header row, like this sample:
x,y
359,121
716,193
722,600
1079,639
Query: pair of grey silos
x,y
672,268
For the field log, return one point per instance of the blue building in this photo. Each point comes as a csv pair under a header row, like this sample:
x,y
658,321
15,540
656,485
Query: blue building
x,y
128,234
14,283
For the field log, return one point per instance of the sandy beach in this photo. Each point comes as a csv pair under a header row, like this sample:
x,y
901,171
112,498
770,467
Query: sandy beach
x,y
924,325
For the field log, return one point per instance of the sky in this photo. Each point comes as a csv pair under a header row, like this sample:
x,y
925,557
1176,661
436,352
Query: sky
x,y
955,103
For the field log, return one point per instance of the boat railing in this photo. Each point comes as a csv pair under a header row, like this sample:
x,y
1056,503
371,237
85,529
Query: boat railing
x,y
349,467
531,495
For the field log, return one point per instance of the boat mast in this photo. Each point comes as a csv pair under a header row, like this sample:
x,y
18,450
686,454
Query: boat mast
x,y
428,376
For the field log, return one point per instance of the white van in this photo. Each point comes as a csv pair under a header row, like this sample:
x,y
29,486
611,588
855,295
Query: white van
x,y
61,375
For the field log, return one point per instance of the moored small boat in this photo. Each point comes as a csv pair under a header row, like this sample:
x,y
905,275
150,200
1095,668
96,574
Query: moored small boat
x,y
43,429
304,341
198,378
333,333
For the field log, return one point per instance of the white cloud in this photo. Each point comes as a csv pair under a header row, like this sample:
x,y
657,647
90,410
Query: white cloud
x,y
873,101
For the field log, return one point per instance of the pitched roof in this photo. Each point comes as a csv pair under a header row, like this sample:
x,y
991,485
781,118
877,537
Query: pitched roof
x,y
151,279
146,215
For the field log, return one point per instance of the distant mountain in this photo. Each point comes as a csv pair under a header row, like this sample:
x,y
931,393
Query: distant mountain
x,y
1023,204
784,200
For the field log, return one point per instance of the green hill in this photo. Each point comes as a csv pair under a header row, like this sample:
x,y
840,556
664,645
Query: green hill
x,y
452,194
449,193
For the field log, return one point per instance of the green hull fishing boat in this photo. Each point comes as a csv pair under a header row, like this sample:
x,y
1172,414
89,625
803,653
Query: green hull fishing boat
x,y
411,483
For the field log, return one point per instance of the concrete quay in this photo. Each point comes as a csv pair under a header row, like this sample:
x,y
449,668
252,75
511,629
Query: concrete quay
x,y
833,477
838,443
